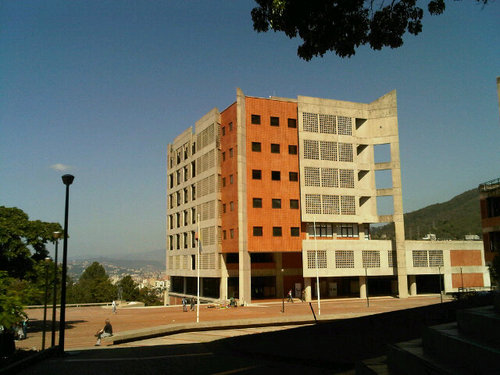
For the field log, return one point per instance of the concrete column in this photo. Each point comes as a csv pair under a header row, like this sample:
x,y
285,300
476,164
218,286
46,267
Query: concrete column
x,y
307,289
223,280
362,287
245,278
413,285
278,261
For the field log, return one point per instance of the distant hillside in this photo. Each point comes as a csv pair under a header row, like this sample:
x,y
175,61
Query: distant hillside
x,y
450,220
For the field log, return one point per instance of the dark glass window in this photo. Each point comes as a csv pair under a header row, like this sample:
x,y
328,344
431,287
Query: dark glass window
x,y
223,130
292,123
292,149
256,119
277,232
223,156
231,179
223,234
223,181
295,231
231,233
256,174
275,148
293,176
256,146
257,202
230,126
275,121
230,152
294,203
257,231
275,175
276,203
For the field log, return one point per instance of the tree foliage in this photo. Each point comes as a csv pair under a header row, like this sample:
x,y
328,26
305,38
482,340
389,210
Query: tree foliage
x,y
342,26
129,289
22,241
94,285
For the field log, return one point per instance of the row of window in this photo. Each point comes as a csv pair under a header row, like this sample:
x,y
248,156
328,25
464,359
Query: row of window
x,y
182,153
329,229
231,154
188,241
275,148
230,127
183,218
277,231
175,199
275,203
180,173
275,175
274,121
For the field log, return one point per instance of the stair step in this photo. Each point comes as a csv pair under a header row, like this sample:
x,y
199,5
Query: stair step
x,y
409,358
373,366
483,322
448,344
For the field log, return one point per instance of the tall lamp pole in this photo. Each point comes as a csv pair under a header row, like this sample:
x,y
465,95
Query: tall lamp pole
x,y
317,269
67,180
46,265
56,236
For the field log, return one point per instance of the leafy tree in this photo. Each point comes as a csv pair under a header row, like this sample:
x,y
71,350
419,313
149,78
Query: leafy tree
x,y
343,25
94,285
130,289
149,297
23,242
11,307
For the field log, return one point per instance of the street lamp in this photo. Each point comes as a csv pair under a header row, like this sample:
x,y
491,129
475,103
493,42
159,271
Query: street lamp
x,y
282,283
46,265
67,180
317,269
56,236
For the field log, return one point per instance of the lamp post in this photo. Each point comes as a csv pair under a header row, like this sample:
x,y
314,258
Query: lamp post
x,y
440,285
283,301
317,269
56,236
46,265
366,286
67,180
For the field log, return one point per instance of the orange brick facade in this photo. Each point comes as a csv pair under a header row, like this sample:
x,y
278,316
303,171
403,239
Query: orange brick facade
x,y
467,280
466,258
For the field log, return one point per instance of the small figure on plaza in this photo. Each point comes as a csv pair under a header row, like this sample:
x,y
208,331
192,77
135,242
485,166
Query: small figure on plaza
x,y
113,306
104,332
290,296
184,304
192,304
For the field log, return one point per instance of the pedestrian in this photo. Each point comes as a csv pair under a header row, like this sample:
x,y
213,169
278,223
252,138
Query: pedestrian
x,y
104,332
25,327
192,303
113,306
290,298
184,304
303,295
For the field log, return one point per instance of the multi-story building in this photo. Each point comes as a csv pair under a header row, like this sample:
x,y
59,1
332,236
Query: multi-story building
x,y
284,192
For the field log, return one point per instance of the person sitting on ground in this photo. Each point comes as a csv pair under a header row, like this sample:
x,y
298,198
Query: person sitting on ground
x,y
105,332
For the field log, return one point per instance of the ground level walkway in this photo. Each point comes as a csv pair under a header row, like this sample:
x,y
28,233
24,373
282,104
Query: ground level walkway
x,y
83,322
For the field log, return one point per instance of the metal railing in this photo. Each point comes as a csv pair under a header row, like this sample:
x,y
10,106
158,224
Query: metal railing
x,y
490,185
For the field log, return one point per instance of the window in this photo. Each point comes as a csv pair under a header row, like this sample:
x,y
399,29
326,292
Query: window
x,y
185,240
276,203
193,148
224,156
275,175
178,241
223,234
275,121
193,215
231,233
186,218
223,130
256,146
178,219
223,181
257,202
171,240
256,174
178,198
231,179
230,152
295,231
171,221
193,192
231,206
292,149
277,232
186,195
293,176
322,230
294,204
257,231
347,230
224,208
230,126
171,179
292,123
193,239
193,169
256,119
275,148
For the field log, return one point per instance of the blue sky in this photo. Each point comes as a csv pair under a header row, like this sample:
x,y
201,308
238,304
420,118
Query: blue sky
x,y
103,86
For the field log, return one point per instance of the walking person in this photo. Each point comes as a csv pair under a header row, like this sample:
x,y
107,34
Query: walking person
x,y
113,306
184,304
290,297
104,332
192,303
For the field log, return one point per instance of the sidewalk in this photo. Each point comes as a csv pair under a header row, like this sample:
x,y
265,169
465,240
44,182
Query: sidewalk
x,y
139,323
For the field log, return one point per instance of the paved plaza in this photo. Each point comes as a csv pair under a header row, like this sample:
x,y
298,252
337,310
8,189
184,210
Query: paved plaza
x,y
83,322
